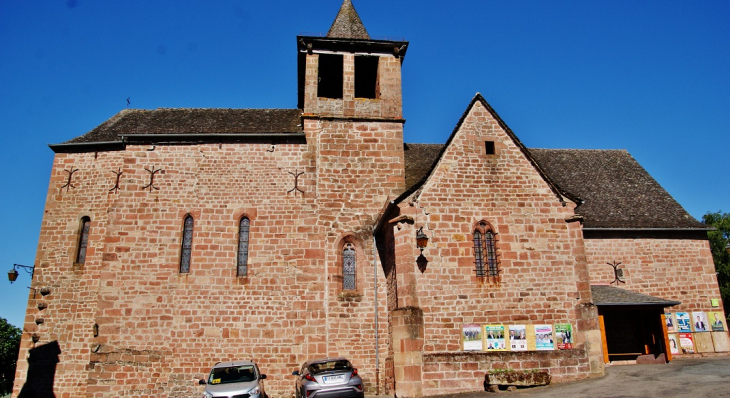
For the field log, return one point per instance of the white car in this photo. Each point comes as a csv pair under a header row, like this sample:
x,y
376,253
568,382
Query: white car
x,y
236,379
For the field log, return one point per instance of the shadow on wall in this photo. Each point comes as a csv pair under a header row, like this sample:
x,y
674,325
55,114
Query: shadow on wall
x,y
42,362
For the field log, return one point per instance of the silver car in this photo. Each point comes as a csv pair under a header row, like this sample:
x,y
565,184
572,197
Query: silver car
x,y
237,379
328,378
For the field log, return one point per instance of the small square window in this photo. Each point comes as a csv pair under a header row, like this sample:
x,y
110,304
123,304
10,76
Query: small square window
x,y
489,147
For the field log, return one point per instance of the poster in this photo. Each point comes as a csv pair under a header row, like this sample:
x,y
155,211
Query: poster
x,y
684,324
673,344
564,336
544,337
717,321
699,321
517,338
686,343
494,335
670,322
472,337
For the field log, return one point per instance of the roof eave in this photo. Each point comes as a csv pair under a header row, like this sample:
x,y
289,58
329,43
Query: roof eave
x,y
315,43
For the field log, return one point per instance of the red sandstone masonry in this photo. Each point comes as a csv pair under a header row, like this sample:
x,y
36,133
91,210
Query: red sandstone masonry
x,y
673,269
541,257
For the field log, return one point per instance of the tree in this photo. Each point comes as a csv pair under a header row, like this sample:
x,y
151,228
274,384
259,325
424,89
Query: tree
x,y
9,346
718,241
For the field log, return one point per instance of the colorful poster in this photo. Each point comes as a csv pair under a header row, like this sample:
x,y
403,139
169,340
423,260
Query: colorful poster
x,y
517,338
699,321
472,337
544,337
494,335
673,345
686,343
684,324
564,336
670,322
717,321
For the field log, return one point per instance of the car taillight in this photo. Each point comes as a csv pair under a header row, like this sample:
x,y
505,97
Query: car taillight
x,y
310,378
354,373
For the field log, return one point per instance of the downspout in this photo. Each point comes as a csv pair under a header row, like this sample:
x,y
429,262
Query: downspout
x,y
377,354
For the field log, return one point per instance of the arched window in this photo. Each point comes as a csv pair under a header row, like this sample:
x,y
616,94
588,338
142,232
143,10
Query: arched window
x,y
485,253
187,245
348,267
243,229
83,240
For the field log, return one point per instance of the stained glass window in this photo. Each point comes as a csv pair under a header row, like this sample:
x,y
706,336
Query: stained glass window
x,y
83,240
243,229
348,267
187,245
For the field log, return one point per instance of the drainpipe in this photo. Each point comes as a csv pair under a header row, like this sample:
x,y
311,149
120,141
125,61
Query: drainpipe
x,y
377,356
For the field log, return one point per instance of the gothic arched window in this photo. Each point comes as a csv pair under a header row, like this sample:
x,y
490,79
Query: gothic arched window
x,y
242,262
187,245
485,252
349,262
83,240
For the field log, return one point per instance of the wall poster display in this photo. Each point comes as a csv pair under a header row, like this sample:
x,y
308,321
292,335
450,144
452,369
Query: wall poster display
x,y
717,321
670,322
471,337
517,338
544,337
684,324
673,344
494,336
686,343
564,336
699,321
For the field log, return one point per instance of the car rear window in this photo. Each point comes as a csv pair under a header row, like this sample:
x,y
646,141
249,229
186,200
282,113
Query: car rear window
x,y
232,374
327,366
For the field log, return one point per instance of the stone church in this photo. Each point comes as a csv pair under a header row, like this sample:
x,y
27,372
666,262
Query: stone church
x,y
173,239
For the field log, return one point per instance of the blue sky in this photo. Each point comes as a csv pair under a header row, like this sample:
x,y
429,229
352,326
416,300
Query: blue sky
x,y
651,77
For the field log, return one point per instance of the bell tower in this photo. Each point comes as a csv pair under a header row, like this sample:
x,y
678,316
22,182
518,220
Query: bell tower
x,y
348,74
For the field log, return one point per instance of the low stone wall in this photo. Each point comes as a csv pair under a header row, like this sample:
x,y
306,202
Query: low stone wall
x,y
453,372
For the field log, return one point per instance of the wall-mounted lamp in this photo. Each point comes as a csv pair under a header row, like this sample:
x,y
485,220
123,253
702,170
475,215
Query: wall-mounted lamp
x,y
13,273
421,239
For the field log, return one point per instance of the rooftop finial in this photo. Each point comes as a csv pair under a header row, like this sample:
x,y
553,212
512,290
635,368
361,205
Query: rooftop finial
x,y
347,24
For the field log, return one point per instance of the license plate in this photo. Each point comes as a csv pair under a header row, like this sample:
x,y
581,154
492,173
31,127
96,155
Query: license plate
x,y
334,379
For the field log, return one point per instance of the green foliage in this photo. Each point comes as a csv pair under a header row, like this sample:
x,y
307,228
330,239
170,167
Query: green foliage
x,y
718,241
9,346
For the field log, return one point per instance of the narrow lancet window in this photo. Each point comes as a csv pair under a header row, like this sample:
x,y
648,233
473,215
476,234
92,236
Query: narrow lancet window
x,y
83,240
485,253
243,229
348,267
187,245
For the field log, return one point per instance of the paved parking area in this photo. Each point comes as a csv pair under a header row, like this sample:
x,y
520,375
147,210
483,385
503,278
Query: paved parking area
x,y
686,378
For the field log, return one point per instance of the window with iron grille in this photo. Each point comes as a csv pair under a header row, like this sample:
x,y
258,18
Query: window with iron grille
x,y
187,245
348,267
485,253
83,240
243,229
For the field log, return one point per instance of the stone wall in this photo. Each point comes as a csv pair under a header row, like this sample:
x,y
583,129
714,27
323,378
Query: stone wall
x,y
543,275
673,268
160,330
446,373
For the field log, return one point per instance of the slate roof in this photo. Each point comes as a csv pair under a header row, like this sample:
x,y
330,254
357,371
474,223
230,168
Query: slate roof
x,y
419,160
611,295
617,192
347,24
194,121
